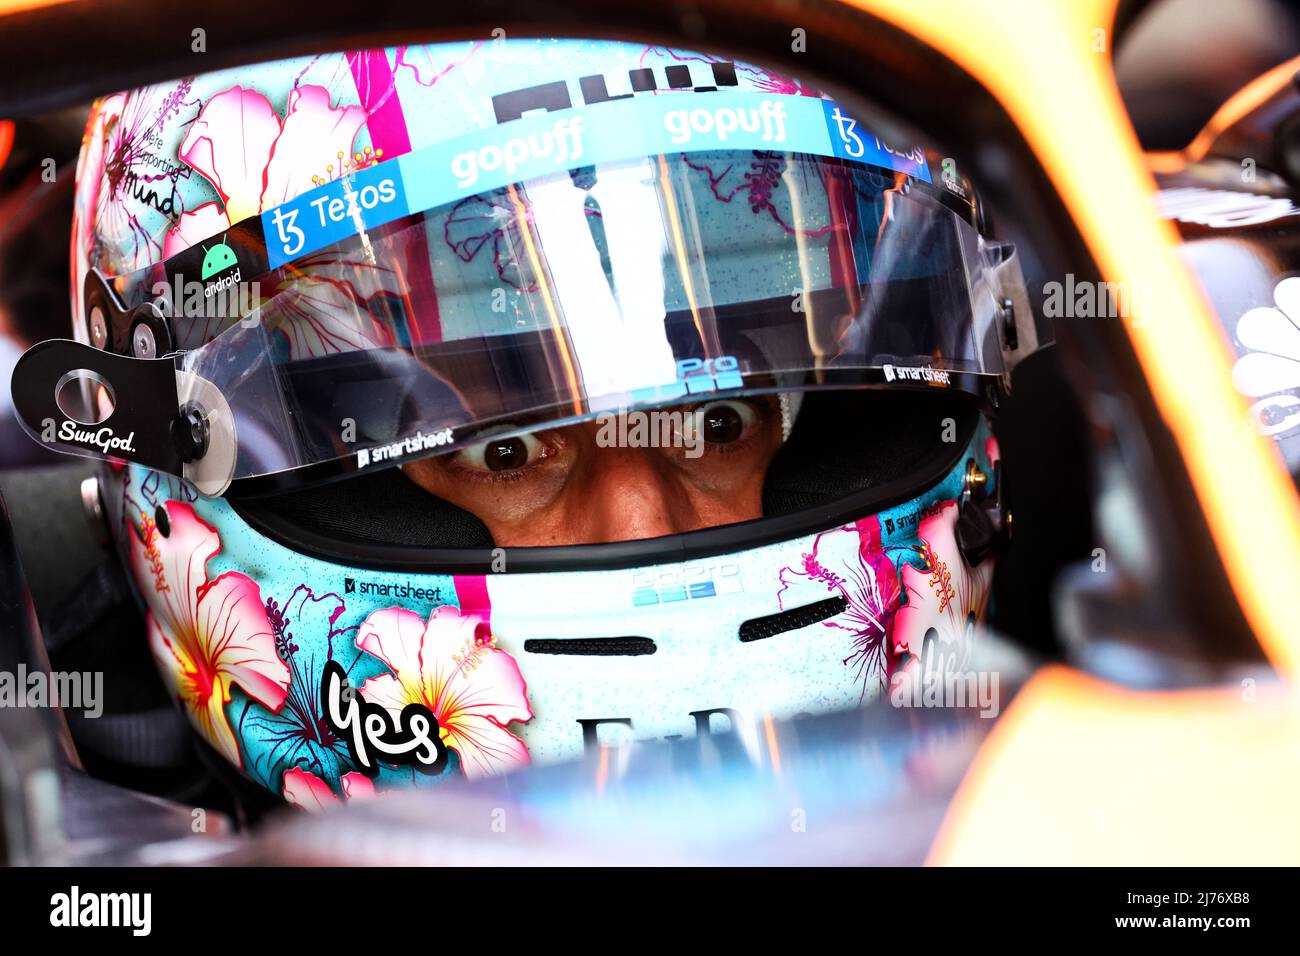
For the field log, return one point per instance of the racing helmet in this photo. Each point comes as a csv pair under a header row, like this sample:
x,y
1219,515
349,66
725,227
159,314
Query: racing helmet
x,y
296,284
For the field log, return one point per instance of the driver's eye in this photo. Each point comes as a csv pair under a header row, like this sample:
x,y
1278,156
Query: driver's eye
x,y
505,454
502,454
726,421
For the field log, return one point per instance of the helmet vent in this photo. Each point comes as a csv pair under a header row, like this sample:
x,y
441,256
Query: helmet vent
x,y
592,646
758,628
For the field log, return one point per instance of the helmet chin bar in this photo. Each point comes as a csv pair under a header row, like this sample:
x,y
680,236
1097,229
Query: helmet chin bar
x,y
197,441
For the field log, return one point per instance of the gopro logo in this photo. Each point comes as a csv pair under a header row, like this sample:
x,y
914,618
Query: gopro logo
x,y
695,376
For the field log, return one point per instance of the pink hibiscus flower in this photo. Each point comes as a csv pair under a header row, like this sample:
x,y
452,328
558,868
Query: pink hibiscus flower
x,y
453,666
255,161
945,598
850,562
305,790
207,636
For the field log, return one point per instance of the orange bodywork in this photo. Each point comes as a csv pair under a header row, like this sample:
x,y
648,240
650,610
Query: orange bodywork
x,y
6,141
1079,771
1245,101
18,6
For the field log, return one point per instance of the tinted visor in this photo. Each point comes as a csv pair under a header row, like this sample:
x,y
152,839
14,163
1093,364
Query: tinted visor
x,y
613,286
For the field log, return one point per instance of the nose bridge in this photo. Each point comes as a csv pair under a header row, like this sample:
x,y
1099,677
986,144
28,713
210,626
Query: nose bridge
x,y
631,495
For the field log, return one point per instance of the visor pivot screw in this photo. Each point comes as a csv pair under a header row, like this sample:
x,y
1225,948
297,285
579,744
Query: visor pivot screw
x,y
190,432
976,481
143,344
982,517
1010,335
98,328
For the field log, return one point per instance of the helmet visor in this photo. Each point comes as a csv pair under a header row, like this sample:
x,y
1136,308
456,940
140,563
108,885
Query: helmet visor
x,y
618,285
540,274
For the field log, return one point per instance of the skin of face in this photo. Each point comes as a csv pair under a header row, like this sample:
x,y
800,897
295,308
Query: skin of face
x,y
572,486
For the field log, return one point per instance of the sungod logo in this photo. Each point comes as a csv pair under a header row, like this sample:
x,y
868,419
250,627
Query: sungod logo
x,y
103,439
563,141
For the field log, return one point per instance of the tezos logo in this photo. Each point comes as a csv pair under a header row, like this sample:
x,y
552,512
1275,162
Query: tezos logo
x,y
332,212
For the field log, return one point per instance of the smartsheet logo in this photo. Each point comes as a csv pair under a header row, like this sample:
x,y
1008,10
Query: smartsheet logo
x,y
391,590
908,373
407,446
77,909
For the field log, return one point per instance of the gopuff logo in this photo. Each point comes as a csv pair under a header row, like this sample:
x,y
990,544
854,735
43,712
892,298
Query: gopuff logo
x,y
720,123
103,438
1271,365
563,142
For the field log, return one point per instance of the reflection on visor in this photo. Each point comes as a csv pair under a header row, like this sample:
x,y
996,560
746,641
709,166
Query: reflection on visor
x,y
635,283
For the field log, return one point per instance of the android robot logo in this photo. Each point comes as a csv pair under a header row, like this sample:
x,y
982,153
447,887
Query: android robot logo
x,y
218,259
